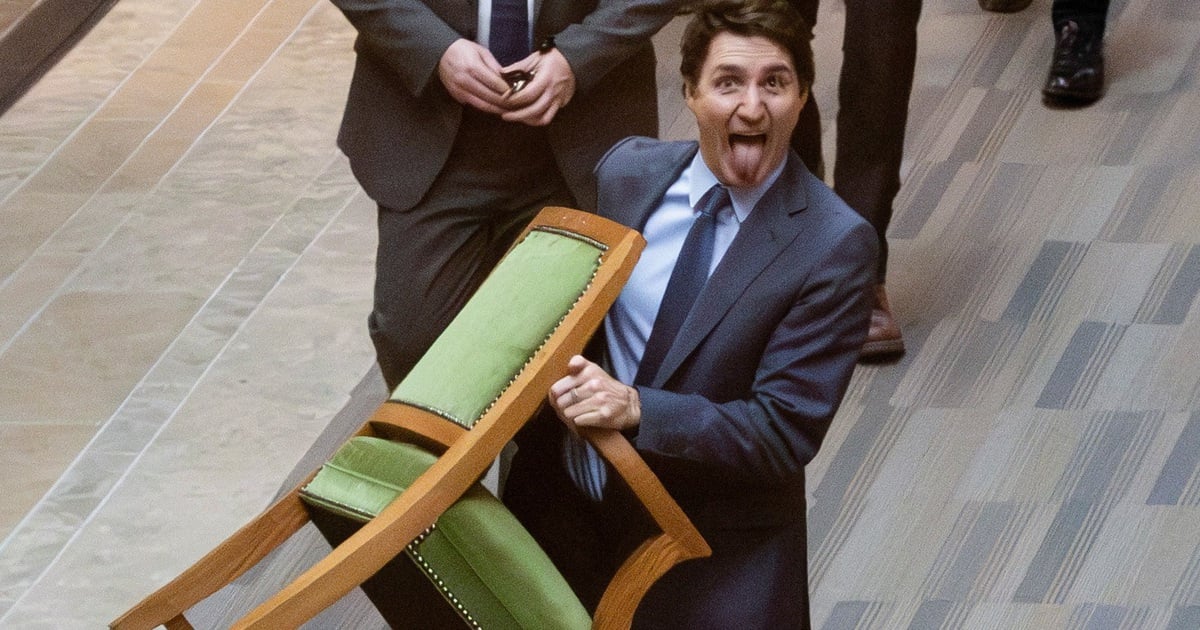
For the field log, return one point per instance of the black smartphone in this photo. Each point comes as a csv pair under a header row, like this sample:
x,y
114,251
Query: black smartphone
x,y
516,79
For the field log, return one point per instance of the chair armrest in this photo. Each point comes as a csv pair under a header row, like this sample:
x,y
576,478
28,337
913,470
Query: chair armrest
x,y
678,541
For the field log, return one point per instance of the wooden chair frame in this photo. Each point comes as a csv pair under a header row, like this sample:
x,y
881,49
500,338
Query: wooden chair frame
x,y
466,455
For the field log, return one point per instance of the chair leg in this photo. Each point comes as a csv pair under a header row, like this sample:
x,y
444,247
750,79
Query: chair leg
x,y
222,565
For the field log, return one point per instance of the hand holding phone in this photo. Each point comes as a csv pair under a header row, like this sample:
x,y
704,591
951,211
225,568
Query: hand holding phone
x,y
517,79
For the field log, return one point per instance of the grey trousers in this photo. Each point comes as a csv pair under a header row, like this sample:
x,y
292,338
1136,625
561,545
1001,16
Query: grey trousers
x,y
433,256
880,52
1093,12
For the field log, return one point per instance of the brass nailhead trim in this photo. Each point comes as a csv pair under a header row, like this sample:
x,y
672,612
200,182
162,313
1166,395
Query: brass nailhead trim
x,y
415,554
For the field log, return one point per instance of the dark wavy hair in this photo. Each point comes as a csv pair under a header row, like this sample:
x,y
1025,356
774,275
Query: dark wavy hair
x,y
776,20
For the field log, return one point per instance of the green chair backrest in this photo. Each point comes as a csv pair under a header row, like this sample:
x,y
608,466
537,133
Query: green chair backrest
x,y
477,554
502,326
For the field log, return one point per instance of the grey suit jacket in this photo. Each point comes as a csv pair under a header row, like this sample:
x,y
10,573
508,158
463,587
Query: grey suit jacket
x,y
400,122
747,392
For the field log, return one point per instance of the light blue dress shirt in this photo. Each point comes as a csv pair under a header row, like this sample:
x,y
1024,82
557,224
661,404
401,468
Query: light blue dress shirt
x,y
631,318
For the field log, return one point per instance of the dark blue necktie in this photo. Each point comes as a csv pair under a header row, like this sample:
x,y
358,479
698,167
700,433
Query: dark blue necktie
x,y
687,278
509,36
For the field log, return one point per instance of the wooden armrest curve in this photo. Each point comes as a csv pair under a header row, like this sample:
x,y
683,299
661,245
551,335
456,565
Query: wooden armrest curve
x,y
679,540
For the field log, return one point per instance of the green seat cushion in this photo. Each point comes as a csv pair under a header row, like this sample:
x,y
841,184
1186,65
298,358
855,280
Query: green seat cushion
x,y
477,554
503,324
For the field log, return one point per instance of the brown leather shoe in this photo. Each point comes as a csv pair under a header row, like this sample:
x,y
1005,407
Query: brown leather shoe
x,y
884,339
1003,6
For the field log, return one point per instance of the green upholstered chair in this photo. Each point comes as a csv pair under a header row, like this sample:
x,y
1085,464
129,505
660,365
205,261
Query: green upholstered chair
x,y
408,481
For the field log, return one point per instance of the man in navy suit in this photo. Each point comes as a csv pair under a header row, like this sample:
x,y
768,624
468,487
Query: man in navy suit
x,y
744,393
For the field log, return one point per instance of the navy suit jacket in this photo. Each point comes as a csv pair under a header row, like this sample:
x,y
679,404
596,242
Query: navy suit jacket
x,y
748,390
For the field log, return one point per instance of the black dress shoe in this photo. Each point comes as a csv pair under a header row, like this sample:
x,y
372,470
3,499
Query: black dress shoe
x,y
1077,70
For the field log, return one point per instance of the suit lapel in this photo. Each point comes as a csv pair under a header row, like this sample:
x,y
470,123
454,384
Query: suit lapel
x,y
773,225
641,196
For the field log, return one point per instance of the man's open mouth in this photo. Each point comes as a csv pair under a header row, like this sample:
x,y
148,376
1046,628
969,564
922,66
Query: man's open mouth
x,y
738,138
746,153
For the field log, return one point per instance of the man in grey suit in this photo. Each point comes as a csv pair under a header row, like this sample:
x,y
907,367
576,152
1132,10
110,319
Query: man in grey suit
x,y
742,396
458,158
879,46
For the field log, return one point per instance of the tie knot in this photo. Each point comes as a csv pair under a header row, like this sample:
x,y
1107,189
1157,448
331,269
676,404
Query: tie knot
x,y
713,201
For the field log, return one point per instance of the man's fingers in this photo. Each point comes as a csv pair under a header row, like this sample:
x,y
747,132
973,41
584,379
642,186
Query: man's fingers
x,y
472,76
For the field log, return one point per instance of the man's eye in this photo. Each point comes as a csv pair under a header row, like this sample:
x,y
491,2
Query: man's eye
x,y
727,83
779,83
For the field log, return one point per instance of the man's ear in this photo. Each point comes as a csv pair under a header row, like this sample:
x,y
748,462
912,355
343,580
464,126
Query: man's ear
x,y
689,95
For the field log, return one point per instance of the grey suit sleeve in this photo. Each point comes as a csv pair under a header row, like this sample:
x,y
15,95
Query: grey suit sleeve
x,y
614,31
769,434
406,35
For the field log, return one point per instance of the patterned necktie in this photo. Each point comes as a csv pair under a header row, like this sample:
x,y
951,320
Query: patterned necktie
x,y
509,36
687,279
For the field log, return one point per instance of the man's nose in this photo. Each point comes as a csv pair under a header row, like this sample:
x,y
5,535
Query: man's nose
x,y
751,106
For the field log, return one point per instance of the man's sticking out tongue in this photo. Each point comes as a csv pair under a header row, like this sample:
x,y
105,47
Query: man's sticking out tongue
x,y
746,156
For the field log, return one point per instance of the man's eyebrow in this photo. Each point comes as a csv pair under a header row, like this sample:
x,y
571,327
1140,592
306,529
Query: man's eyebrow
x,y
780,68
729,68
741,70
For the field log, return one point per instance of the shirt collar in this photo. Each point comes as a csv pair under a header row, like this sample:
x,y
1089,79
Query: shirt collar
x,y
744,199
